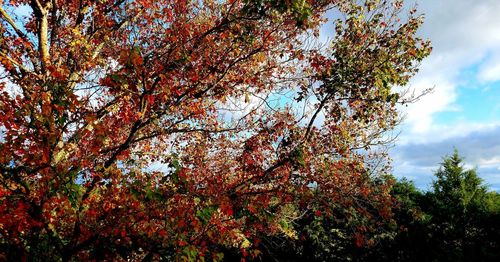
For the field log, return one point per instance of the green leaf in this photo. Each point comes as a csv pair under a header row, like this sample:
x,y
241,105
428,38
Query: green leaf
x,y
205,214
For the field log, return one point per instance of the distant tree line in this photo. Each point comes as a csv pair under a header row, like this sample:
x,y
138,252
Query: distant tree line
x,y
458,219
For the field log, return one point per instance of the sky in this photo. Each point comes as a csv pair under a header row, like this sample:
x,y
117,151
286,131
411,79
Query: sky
x,y
463,111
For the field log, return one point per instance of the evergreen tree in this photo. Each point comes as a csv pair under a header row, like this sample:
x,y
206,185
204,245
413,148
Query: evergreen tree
x,y
459,209
458,192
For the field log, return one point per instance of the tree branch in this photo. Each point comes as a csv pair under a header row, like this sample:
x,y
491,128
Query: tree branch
x,y
12,23
41,14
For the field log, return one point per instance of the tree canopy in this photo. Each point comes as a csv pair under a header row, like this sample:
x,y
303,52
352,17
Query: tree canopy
x,y
140,130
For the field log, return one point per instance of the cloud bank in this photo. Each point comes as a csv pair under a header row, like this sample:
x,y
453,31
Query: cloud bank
x,y
481,148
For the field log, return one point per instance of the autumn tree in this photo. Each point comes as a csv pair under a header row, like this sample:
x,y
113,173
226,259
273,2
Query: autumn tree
x,y
161,129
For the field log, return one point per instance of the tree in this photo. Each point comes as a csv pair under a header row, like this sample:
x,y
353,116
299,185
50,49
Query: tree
x,y
457,220
459,207
457,189
452,222
96,95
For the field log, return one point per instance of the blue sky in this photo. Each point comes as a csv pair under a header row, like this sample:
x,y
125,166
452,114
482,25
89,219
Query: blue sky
x,y
464,109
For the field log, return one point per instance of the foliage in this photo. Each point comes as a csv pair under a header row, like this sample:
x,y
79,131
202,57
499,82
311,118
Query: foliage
x,y
456,221
422,227
116,143
457,189
459,211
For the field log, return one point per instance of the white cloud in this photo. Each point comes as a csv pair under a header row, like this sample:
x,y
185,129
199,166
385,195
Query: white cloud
x,y
419,115
464,33
490,69
440,132
493,161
